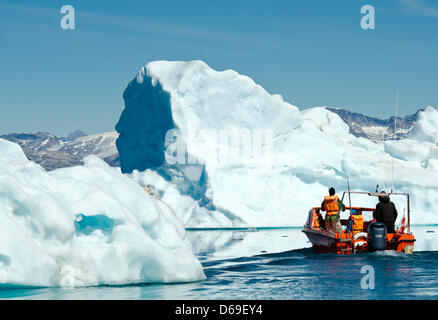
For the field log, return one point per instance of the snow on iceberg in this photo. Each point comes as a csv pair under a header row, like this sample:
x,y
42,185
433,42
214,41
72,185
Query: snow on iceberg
x,y
426,126
85,226
308,151
11,153
421,145
326,121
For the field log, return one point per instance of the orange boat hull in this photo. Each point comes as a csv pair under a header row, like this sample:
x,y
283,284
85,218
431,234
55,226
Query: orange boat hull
x,y
326,242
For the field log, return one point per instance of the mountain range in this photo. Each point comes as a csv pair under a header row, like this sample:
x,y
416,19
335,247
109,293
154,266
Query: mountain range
x,y
377,129
53,152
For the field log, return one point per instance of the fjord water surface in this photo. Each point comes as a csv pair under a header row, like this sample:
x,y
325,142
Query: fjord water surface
x,y
279,264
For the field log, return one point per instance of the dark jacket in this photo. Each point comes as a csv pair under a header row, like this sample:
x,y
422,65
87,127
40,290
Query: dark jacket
x,y
385,211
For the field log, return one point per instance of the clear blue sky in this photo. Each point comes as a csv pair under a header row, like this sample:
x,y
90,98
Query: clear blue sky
x,y
313,52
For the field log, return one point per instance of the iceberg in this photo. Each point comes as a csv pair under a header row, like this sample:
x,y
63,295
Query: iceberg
x,y
426,126
85,226
189,131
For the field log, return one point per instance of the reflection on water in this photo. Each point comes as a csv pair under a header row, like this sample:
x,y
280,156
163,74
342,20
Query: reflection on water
x,y
278,264
225,244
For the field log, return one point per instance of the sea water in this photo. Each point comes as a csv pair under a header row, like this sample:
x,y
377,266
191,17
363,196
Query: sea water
x,y
280,264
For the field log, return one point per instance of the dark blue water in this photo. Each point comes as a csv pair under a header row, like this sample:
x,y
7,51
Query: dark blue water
x,y
275,264
300,274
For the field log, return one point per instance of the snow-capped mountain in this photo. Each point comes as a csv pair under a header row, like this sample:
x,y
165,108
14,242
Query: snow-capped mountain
x,y
376,129
53,152
102,145
75,134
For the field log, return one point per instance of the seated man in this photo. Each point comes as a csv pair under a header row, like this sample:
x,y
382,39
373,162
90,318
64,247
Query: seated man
x,y
355,222
315,220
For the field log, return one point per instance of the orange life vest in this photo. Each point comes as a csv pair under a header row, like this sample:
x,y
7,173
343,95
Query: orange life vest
x,y
357,222
315,221
331,205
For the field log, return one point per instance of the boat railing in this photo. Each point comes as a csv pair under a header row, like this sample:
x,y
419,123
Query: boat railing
x,y
384,194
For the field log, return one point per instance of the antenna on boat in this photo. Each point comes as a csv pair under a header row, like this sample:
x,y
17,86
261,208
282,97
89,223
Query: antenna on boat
x,y
349,193
393,140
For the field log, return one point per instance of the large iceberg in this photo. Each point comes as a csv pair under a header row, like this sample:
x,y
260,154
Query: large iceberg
x,y
223,152
85,226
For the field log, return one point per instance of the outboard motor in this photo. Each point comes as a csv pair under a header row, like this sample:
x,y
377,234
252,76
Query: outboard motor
x,y
376,236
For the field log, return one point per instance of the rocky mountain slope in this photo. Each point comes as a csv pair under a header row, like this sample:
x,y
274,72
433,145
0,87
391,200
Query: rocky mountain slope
x,y
376,129
53,152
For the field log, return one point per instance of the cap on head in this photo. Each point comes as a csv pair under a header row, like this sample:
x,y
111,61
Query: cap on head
x,y
381,197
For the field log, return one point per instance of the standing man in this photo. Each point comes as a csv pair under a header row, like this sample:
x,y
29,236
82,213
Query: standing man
x,y
386,213
331,206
